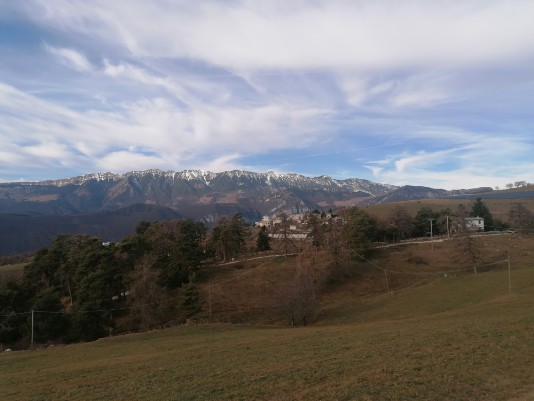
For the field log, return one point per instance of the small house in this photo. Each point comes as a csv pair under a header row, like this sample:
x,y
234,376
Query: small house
x,y
474,223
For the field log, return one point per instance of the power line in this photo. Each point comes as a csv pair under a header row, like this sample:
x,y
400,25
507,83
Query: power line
x,y
96,310
142,305
249,270
440,273
16,313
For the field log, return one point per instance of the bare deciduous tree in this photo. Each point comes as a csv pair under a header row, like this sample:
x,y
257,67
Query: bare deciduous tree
x,y
402,222
146,292
281,230
520,217
334,241
298,298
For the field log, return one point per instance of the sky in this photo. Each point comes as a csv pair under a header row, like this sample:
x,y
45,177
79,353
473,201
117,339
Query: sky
x,y
435,93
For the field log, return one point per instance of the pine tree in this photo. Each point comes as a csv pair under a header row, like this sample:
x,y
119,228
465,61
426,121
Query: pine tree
x,y
480,209
263,242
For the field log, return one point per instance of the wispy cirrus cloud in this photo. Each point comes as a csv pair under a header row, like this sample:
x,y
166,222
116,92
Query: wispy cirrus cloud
x,y
469,164
154,133
140,75
324,34
69,57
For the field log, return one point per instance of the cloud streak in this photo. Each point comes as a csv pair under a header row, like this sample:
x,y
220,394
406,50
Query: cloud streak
x,y
324,34
152,133
69,57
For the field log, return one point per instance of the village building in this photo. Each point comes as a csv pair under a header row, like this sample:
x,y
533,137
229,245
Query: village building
x,y
474,224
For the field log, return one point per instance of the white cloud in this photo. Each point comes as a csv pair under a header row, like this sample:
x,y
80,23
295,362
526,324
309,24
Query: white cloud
x,y
194,84
428,160
465,178
382,87
149,132
47,150
69,57
140,75
356,90
413,90
189,90
222,163
364,35
386,54
475,162
422,97
127,160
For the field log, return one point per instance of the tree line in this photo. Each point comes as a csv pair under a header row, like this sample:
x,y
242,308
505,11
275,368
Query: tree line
x,y
91,285
84,289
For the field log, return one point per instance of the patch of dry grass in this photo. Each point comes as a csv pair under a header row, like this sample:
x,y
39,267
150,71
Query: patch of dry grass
x,y
11,272
478,353
431,338
19,267
499,208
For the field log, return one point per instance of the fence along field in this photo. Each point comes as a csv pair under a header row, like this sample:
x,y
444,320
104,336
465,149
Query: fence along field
x,y
431,337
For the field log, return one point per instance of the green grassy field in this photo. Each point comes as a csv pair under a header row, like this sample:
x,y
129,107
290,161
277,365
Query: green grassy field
x,y
11,272
460,337
19,267
499,207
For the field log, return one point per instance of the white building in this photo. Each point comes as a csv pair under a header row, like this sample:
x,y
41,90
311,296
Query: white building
x,y
265,222
474,223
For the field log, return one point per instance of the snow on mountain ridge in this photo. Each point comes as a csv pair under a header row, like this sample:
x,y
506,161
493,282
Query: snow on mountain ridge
x,y
270,178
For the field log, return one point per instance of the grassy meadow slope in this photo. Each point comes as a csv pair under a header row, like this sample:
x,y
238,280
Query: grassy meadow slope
x,y
499,208
431,337
12,272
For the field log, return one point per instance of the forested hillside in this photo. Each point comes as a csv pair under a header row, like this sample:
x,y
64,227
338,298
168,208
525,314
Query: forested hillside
x,y
82,288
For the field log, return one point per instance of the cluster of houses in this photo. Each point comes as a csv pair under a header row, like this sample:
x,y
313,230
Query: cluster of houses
x,y
298,228
297,225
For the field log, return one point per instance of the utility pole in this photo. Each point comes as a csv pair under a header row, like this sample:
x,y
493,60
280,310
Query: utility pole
x,y
448,232
209,299
31,341
387,281
431,234
509,273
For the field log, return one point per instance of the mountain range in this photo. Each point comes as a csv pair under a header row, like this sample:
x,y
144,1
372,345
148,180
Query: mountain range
x,y
110,205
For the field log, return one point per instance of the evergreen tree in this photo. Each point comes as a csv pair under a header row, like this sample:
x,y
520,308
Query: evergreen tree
x,y
263,242
49,326
480,209
228,237
177,249
422,222
191,302
15,299
359,230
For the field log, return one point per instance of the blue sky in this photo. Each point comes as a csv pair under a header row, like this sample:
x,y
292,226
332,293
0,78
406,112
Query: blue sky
x,y
437,93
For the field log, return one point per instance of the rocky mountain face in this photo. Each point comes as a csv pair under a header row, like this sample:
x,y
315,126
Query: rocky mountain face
x,y
409,192
192,193
110,205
